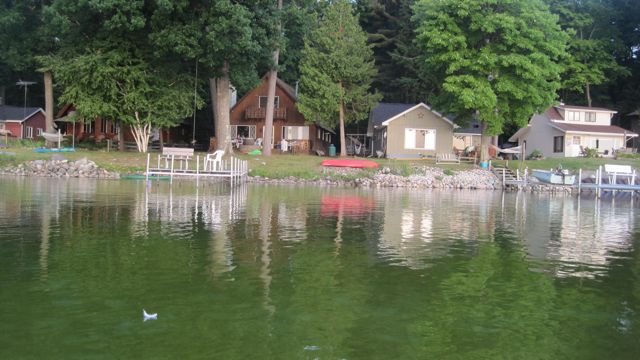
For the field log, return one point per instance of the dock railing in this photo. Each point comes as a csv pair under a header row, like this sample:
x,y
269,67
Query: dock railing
x,y
232,168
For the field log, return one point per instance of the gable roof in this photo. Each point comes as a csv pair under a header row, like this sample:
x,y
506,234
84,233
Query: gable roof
x,y
17,113
599,129
385,113
288,89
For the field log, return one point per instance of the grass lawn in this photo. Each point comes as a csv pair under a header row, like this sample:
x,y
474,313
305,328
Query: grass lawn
x,y
300,166
568,163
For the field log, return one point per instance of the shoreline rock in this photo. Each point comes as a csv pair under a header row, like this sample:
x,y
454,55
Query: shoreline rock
x,y
82,168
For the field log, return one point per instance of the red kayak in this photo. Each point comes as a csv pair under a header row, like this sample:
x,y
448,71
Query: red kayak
x,y
352,163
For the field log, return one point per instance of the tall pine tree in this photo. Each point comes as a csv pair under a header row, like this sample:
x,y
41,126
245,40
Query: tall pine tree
x,y
337,69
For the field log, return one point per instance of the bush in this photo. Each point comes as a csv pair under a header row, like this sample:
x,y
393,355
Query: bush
x,y
535,155
591,153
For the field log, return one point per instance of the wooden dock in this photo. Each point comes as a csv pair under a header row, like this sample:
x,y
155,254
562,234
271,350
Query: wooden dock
x,y
598,183
232,169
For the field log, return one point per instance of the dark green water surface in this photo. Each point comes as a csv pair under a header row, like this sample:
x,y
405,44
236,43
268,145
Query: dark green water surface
x,y
277,272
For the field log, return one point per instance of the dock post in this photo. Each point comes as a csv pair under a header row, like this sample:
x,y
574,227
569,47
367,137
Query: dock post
x,y
147,172
579,180
518,174
171,174
504,177
197,171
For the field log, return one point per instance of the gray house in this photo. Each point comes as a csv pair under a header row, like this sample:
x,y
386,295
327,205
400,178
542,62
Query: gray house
x,y
405,131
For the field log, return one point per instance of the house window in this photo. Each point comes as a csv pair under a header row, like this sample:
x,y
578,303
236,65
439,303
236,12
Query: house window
x,y
591,117
263,102
39,132
576,140
103,125
243,131
558,144
295,132
573,116
423,139
88,127
29,132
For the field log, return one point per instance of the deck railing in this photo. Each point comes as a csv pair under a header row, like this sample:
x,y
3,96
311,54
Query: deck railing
x,y
261,113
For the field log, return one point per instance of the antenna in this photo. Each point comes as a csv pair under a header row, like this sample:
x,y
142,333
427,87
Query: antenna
x,y
25,84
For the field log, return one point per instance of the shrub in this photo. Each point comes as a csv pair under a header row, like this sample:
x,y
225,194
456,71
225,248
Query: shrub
x,y
535,155
591,153
448,172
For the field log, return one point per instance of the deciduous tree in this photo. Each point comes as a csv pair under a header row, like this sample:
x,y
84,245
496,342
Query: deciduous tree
x,y
498,59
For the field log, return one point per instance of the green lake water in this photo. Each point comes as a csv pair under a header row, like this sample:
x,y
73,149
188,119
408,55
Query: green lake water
x,y
277,272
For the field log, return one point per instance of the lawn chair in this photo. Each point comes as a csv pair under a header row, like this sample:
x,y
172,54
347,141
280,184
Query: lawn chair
x,y
213,162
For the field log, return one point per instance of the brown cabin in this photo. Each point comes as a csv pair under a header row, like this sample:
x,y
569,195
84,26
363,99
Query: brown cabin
x,y
291,131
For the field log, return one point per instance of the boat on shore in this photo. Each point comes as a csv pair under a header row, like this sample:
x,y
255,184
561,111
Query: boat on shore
x,y
560,177
352,163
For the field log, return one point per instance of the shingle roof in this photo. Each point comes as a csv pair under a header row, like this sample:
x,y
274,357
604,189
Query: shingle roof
x,y
603,129
8,112
553,113
385,111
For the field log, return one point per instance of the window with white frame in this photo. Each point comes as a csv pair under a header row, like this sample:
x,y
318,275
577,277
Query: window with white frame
x,y
575,140
243,131
422,139
295,132
29,132
590,117
39,132
263,102
103,125
88,127
573,115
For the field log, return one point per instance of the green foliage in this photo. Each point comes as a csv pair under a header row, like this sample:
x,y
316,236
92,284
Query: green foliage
x,y
448,172
535,155
391,33
591,153
593,42
495,60
336,69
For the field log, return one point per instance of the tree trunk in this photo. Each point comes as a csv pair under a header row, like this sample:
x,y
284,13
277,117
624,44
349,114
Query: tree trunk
x,y
48,103
120,136
212,94
222,110
588,93
343,139
484,142
141,132
271,96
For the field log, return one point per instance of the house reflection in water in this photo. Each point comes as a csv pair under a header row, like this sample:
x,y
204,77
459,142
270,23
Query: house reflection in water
x,y
421,226
580,236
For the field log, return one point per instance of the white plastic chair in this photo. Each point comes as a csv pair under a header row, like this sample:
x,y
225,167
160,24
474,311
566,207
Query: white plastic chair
x,y
284,145
213,162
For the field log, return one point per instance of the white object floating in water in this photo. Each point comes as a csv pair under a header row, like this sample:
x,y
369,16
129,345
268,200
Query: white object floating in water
x,y
146,316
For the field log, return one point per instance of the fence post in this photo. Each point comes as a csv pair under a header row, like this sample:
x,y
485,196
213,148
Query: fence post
x,y
147,173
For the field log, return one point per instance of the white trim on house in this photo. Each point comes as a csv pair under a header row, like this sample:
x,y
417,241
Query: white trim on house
x,y
629,134
386,122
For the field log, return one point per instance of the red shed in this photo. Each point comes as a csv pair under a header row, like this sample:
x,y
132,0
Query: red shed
x,y
22,122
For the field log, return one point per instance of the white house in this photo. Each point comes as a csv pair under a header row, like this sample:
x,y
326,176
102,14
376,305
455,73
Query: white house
x,y
566,130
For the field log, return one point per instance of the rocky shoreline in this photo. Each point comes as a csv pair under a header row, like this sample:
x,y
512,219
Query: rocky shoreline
x,y
82,168
420,178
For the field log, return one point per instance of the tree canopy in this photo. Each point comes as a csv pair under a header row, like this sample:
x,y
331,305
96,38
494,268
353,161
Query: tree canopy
x,y
336,71
497,61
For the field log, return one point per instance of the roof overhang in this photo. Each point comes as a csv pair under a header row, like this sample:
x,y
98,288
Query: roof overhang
x,y
388,121
629,133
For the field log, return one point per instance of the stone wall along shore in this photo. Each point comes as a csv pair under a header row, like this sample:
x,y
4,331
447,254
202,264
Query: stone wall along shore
x,y
82,168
